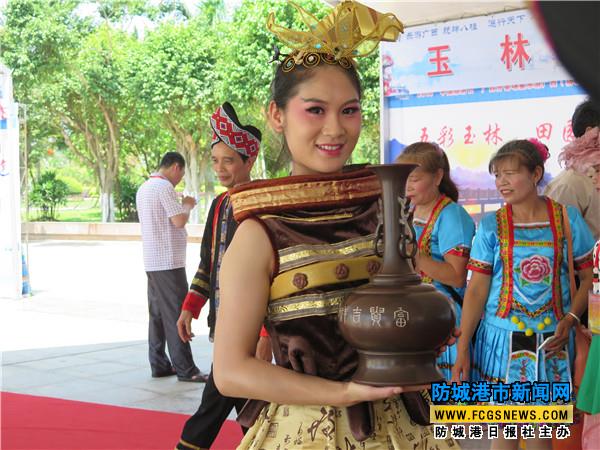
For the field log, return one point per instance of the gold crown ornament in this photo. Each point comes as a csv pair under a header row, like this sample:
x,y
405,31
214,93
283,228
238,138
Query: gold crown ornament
x,y
351,30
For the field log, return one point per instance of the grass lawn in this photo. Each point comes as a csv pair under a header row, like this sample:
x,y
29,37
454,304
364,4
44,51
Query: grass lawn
x,y
77,209
79,215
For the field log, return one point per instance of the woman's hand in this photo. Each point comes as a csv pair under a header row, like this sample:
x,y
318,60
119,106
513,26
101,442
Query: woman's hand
x,y
356,393
461,368
263,349
451,341
418,258
561,335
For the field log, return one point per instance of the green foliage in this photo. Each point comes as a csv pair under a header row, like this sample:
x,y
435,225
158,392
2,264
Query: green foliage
x,y
48,193
74,186
115,101
126,207
51,33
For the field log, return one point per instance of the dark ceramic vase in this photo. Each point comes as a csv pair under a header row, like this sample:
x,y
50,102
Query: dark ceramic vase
x,y
396,322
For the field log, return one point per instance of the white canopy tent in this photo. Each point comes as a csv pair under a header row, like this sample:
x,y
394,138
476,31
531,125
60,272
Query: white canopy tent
x,y
413,13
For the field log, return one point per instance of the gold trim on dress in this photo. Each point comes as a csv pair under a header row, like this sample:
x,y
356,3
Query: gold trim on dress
x,y
521,243
318,304
308,219
304,193
321,274
298,255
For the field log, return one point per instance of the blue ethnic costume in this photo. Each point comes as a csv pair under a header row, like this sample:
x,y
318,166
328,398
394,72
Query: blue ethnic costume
x,y
449,230
529,293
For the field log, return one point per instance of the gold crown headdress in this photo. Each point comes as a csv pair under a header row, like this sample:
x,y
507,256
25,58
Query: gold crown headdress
x,y
351,30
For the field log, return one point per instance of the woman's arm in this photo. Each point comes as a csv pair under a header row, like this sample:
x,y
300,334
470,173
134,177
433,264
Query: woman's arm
x,y
245,284
452,271
580,302
475,299
578,307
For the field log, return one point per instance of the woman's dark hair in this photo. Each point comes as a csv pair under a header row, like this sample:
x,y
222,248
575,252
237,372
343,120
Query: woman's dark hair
x,y
285,84
523,151
171,158
431,158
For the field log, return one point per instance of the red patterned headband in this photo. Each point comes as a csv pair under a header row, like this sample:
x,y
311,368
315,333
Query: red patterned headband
x,y
244,139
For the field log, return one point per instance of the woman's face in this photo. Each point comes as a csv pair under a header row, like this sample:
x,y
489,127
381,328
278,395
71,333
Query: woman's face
x,y
514,181
594,174
422,186
321,123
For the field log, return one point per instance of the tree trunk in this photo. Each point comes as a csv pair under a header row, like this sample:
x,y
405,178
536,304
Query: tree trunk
x,y
107,204
192,179
102,156
209,186
191,186
107,201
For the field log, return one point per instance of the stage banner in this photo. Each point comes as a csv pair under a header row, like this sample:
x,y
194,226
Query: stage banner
x,y
472,85
10,205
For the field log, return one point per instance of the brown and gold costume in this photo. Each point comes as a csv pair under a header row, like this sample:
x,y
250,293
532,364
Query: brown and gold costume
x,y
322,229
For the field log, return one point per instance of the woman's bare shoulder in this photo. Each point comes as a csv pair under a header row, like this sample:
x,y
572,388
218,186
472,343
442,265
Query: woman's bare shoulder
x,y
251,243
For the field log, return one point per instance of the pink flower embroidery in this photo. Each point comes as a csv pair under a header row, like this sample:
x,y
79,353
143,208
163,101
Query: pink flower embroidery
x,y
535,269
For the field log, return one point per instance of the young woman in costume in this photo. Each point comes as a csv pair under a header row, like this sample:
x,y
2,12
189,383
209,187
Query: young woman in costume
x,y
303,243
520,282
444,230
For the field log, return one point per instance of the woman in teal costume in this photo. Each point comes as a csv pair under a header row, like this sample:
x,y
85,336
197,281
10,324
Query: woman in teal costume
x,y
444,230
520,281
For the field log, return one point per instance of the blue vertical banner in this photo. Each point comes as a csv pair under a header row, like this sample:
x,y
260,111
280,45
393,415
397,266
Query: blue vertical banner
x,y
3,118
11,273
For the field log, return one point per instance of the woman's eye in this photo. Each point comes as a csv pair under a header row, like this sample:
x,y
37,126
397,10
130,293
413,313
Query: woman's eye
x,y
315,110
351,110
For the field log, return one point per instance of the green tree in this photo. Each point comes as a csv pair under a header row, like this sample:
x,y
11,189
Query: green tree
x,y
126,194
48,193
36,39
144,141
75,73
94,105
174,76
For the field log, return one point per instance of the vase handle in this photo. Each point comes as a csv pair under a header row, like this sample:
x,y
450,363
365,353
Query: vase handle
x,y
379,240
408,237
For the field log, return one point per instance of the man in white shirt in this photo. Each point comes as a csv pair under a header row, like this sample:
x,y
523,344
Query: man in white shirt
x,y
164,239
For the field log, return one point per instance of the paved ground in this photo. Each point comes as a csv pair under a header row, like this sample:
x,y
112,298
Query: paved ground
x,y
82,335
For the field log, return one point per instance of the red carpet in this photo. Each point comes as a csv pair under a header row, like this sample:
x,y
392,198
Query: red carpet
x,y
43,423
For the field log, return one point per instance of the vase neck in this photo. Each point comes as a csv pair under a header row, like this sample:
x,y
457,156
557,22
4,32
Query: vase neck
x,y
393,181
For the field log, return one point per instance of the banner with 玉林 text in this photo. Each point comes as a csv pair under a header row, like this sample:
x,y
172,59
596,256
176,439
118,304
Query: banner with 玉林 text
x,y
472,85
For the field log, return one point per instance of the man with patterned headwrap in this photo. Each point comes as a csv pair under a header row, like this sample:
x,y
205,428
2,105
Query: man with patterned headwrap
x,y
233,151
